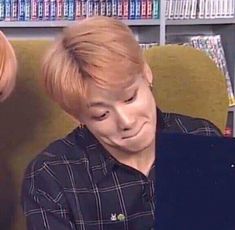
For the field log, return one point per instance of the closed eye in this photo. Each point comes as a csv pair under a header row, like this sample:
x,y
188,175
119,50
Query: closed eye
x,y
101,117
131,98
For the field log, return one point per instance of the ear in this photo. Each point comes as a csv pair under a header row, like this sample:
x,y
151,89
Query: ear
x,y
148,74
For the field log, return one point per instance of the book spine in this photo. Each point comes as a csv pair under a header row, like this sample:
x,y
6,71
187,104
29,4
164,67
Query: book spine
x,y
52,10
109,8
120,9
65,9
71,9
7,10
137,9
34,10
27,10
21,9
40,9
132,9
115,8
149,13
83,8
2,10
102,7
125,9
46,10
14,10
96,7
143,9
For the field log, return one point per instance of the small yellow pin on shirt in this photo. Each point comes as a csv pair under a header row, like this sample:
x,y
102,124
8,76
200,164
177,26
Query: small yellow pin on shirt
x,y
119,217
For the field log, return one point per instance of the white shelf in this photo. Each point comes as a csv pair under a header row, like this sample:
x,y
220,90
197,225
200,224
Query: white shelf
x,y
215,21
131,22
142,22
64,23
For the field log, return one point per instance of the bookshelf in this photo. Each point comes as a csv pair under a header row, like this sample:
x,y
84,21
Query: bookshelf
x,y
61,23
175,31
146,30
215,21
161,30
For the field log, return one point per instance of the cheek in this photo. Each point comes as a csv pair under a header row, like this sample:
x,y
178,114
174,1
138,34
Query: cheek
x,y
102,129
146,102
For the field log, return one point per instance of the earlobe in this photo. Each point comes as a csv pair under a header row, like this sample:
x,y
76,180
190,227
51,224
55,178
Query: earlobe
x,y
148,74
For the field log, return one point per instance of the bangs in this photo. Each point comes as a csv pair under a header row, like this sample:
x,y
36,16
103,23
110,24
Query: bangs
x,y
117,75
100,49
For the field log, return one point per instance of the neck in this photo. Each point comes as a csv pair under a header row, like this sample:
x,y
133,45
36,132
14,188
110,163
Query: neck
x,y
141,161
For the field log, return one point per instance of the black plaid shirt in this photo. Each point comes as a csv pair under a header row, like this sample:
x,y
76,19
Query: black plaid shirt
x,y
76,184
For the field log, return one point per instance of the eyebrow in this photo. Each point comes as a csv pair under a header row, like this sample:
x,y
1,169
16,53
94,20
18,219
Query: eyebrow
x,y
93,104
135,91
100,103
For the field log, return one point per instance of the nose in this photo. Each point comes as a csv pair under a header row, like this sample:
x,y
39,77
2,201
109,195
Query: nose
x,y
126,120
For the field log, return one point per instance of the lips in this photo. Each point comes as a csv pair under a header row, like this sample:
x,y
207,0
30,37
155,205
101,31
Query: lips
x,y
135,134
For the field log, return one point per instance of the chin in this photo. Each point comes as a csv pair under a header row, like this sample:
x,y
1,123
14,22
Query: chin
x,y
138,146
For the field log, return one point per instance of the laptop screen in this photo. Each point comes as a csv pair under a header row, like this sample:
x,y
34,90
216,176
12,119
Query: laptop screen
x,y
195,183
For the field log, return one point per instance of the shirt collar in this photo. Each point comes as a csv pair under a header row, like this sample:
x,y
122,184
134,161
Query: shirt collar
x,y
160,120
101,162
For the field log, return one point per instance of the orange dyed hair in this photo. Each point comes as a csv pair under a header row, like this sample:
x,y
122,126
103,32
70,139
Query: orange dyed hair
x,y
8,68
100,48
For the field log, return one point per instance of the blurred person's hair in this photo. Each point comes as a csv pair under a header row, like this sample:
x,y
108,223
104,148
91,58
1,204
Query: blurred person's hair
x,y
8,67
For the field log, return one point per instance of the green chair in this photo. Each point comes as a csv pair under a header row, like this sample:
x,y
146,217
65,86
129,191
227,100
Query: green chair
x,y
29,122
186,81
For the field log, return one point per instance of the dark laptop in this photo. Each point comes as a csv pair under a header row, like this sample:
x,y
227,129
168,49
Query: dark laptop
x,y
195,183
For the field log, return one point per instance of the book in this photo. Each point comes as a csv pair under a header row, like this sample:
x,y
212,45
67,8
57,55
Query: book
x,y
212,46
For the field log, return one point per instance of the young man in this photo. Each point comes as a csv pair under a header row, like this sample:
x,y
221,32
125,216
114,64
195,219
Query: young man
x,y
8,66
101,176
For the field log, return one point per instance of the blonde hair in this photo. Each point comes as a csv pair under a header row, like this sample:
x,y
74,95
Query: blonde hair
x,y
8,67
100,48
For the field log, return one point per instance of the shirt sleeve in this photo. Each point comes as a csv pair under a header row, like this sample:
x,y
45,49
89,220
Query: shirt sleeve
x,y
177,123
206,128
43,201
197,126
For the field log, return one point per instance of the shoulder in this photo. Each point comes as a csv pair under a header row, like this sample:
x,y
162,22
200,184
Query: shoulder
x,y
65,148
53,164
185,124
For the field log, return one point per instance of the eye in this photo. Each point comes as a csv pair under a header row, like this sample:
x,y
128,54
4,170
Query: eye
x,y
101,117
131,98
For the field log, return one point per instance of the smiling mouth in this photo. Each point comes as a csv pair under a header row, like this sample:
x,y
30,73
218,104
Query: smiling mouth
x,y
135,133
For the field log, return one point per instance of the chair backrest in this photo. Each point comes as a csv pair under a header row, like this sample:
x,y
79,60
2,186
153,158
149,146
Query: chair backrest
x,y
187,81
29,121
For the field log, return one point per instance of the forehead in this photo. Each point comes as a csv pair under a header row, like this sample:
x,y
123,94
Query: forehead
x,y
95,91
